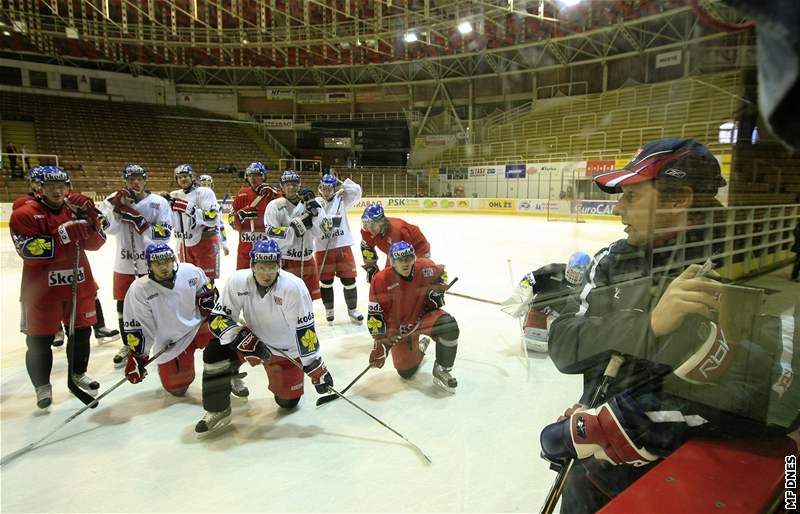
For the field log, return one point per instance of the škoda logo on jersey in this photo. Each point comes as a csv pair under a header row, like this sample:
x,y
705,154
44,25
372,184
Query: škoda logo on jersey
x,y
64,277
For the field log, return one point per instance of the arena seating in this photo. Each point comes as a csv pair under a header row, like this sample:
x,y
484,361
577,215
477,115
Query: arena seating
x,y
95,139
610,125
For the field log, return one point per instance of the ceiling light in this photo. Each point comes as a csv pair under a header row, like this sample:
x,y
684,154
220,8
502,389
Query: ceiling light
x,y
244,41
410,37
6,33
570,3
465,27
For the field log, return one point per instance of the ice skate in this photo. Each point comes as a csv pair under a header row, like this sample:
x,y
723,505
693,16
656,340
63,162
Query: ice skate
x,y
443,379
329,315
122,356
105,335
212,422
86,383
44,396
238,388
355,316
58,339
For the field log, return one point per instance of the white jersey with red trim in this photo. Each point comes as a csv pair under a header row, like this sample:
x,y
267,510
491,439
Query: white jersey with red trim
x,y
129,258
155,316
204,214
282,318
335,211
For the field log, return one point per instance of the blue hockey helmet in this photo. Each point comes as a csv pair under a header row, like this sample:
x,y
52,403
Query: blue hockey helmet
x,y
205,180
401,250
577,268
180,169
290,177
50,174
34,173
134,170
255,168
265,251
158,252
328,180
373,212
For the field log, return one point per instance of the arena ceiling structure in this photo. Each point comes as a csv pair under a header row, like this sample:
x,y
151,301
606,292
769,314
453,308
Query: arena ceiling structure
x,y
342,43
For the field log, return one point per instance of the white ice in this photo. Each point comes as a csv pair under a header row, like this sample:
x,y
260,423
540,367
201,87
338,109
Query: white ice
x,y
137,451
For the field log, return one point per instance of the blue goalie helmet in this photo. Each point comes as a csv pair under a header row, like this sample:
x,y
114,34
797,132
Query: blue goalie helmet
x,y
255,168
577,268
158,252
265,251
401,250
134,170
328,180
50,174
373,212
290,177
184,168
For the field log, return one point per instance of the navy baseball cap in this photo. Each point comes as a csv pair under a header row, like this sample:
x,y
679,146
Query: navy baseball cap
x,y
681,160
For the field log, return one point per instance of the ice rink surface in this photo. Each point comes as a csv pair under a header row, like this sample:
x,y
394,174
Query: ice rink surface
x,y
137,451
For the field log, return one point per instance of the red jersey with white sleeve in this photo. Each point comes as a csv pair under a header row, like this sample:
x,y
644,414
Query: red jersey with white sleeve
x,y
395,301
48,253
398,230
250,221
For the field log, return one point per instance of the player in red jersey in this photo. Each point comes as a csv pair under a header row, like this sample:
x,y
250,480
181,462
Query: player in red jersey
x,y
406,300
379,231
247,212
102,333
45,234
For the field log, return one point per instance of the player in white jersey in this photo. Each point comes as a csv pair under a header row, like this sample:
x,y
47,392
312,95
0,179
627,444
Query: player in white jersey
x,y
278,315
334,256
294,222
195,217
137,218
207,181
167,309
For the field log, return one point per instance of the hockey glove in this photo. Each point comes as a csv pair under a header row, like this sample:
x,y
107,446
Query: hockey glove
x,y
301,224
305,195
710,362
435,299
73,231
245,214
252,349
133,218
371,269
206,299
265,190
380,349
319,375
135,370
122,198
615,432
182,206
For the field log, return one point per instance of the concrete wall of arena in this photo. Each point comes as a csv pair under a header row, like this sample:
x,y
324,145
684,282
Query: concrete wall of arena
x,y
119,86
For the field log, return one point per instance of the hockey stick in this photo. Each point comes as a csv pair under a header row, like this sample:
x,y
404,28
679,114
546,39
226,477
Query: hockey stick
x,y
348,400
521,328
468,297
79,393
612,368
93,404
322,400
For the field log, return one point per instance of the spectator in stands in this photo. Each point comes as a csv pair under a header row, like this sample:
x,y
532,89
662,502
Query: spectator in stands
x,y
11,150
796,250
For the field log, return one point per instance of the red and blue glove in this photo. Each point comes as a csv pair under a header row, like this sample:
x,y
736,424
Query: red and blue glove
x,y
253,350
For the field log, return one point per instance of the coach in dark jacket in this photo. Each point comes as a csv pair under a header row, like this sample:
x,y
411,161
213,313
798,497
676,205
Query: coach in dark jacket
x,y
645,302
